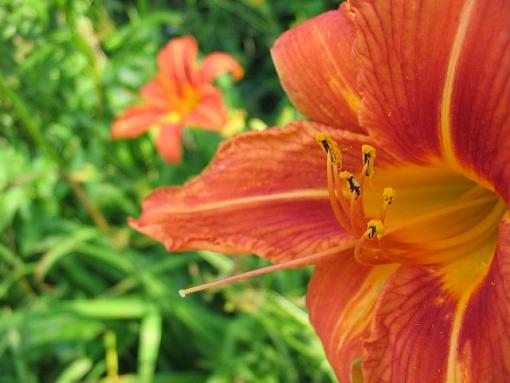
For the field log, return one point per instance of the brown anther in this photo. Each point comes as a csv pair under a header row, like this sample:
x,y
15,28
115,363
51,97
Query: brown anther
x,y
375,228
354,185
368,155
330,147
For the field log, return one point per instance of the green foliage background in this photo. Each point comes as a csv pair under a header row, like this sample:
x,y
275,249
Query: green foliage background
x,y
82,296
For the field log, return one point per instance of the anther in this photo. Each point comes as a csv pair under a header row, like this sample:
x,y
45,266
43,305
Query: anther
x,y
375,228
330,147
368,154
354,185
388,194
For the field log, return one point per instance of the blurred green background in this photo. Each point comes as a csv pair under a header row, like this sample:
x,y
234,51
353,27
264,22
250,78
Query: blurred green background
x,y
83,298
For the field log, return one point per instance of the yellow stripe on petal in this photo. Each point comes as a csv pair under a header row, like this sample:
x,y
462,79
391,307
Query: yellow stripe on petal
x,y
357,313
305,194
446,102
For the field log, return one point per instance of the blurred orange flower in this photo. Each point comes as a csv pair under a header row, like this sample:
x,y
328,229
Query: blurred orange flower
x,y
181,94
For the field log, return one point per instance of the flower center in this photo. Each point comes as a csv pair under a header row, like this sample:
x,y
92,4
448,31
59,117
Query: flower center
x,y
181,99
433,215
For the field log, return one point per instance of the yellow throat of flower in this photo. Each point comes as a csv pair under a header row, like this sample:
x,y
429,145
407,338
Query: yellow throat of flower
x,y
437,216
181,102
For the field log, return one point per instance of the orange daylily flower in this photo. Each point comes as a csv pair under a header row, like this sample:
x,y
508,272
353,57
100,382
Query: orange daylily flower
x,y
397,190
181,94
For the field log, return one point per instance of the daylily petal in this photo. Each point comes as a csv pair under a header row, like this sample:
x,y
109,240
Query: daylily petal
x,y
445,323
483,353
424,94
177,61
317,68
136,120
218,63
169,143
405,48
210,113
477,122
259,195
153,93
341,300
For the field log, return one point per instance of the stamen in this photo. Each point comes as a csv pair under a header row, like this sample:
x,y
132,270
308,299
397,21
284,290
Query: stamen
x,y
368,154
336,203
375,229
330,147
300,262
388,195
333,166
356,213
354,185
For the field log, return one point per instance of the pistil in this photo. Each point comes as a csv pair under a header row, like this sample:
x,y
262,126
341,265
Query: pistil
x,y
294,263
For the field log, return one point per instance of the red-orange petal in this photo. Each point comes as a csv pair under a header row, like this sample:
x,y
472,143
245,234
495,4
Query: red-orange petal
x,y
177,62
136,120
218,63
423,331
424,92
479,115
341,299
169,143
404,48
484,339
210,113
264,193
318,70
153,93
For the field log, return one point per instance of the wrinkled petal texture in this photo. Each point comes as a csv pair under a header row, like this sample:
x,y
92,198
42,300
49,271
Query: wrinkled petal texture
x,y
168,143
259,195
434,78
210,113
423,333
136,120
218,63
317,68
341,300
404,47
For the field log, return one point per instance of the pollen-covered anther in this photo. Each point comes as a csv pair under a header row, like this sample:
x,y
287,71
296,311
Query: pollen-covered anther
x,y
354,185
330,147
368,154
388,194
375,228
